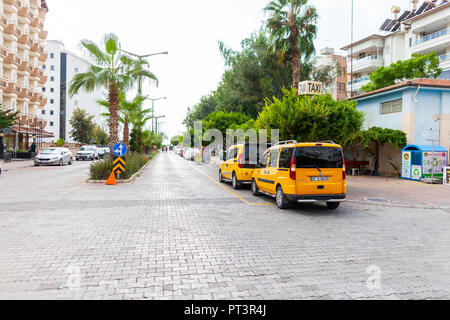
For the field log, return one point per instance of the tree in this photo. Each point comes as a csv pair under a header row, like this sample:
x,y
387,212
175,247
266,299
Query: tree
x,y
311,119
206,105
82,126
100,136
223,121
151,140
419,66
138,119
7,118
111,70
126,111
60,142
380,136
292,24
175,140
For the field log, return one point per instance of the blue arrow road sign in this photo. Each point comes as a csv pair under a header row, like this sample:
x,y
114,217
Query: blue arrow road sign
x,y
120,149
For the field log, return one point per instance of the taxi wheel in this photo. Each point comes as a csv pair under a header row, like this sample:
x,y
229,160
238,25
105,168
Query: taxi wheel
x,y
333,205
255,190
281,199
235,182
221,177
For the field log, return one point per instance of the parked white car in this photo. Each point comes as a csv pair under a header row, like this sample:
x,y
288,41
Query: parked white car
x,y
54,156
87,153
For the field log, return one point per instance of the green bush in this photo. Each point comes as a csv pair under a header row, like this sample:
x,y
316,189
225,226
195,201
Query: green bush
x,y
60,143
101,170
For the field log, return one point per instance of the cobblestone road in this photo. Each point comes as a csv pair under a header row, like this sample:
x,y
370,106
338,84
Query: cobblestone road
x,y
177,234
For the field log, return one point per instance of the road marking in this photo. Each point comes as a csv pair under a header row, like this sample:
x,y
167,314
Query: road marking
x,y
230,191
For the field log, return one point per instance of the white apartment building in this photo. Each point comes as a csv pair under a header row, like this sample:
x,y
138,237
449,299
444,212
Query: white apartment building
x,y
60,68
327,58
424,28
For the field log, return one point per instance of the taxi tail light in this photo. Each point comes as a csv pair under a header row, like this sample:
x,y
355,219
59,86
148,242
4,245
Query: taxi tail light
x,y
344,175
292,173
240,162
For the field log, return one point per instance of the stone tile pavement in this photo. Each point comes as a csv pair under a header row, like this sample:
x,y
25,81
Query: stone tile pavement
x,y
175,234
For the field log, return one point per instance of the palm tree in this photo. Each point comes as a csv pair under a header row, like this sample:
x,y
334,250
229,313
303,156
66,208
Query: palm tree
x,y
139,72
109,70
292,25
127,109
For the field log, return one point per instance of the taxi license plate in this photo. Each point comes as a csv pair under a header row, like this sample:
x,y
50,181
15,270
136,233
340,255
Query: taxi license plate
x,y
320,178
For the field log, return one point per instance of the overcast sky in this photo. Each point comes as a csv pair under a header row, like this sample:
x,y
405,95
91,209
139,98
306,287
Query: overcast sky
x,y
189,30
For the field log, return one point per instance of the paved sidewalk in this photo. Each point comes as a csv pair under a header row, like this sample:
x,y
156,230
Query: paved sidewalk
x,y
397,191
10,166
392,191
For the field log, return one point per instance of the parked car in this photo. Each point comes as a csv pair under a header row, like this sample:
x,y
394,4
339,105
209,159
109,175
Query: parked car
x,y
54,156
103,152
302,172
87,153
239,162
1,168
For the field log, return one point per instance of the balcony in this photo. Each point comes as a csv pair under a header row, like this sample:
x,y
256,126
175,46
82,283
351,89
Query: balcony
x,y
3,83
43,57
358,83
12,5
25,40
12,59
35,4
12,31
36,23
436,41
12,88
3,52
445,61
3,21
43,35
24,15
367,64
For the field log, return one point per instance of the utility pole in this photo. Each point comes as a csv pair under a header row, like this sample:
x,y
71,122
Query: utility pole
x,y
351,55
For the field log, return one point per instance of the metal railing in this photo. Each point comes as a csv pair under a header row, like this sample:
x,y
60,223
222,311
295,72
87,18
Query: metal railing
x,y
362,79
431,37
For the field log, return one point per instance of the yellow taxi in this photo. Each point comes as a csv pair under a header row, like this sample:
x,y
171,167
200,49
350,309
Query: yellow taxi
x,y
238,164
302,172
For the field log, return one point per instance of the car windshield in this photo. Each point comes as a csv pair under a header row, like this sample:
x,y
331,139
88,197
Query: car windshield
x,y
87,149
50,151
318,157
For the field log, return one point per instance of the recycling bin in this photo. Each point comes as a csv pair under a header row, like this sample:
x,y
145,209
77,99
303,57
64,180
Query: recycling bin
x,y
419,162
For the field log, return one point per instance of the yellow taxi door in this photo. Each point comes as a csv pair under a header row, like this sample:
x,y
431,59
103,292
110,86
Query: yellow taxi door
x,y
263,172
272,171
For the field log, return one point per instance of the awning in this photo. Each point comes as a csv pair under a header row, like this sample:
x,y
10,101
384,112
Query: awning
x,y
37,132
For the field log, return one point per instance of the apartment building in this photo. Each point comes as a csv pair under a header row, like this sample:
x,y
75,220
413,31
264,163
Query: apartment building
x,y
423,28
22,54
60,68
338,86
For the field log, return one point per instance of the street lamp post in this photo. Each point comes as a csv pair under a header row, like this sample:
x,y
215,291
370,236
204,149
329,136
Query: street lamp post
x,y
156,120
141,58
153,110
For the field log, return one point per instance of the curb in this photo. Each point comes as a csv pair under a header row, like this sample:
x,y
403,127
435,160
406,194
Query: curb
x,y
130,180
398,205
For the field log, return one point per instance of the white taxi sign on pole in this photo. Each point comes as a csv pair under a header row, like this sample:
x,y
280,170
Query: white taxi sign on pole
x,y
310,87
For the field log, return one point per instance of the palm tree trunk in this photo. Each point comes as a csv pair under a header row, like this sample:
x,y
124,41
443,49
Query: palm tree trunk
x,y
113,98
295,54
126,134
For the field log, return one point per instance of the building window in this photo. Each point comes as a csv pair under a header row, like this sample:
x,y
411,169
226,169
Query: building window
x,y
43,111
52,101
52,89
52,78
52,55
44,67
393,106
76,70
52,68
76,103
43,89
52,112
51,123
